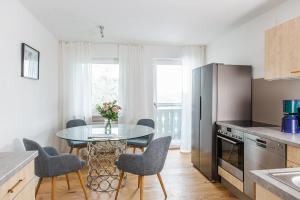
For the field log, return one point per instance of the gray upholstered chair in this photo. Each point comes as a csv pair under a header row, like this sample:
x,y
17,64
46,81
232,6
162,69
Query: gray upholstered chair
x,y
142,142
50,163
72,143
151,162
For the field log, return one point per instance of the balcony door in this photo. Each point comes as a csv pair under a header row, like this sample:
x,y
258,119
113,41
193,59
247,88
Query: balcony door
x,y
168,105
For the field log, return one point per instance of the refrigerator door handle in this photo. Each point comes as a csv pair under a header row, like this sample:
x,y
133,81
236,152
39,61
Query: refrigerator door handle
x,y
200,107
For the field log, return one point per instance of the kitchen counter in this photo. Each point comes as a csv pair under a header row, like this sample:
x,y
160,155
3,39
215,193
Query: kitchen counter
x,y
12,162
272,133
263,178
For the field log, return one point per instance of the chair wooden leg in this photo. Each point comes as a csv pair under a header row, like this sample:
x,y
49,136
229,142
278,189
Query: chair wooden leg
x,y
68,182
162,184
71,150
53,186
139,181
77,151
134,149
119,185
141,187
38,186
82,184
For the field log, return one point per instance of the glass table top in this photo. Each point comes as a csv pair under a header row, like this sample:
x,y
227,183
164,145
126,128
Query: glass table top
x,y
96,132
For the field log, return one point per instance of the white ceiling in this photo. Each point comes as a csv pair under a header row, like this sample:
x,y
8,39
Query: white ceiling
x,y
145,21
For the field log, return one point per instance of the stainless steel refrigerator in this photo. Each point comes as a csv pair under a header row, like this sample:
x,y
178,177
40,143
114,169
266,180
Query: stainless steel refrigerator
x,y
220,93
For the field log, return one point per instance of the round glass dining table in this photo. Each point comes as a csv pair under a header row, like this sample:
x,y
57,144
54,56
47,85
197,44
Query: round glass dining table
x,y
104,148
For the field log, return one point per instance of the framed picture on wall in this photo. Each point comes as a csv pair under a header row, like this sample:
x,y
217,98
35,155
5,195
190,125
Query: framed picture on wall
x,y
30,62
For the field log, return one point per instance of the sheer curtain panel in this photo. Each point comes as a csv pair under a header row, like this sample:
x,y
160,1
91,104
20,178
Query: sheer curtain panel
x,y
76,80
132,85
192,57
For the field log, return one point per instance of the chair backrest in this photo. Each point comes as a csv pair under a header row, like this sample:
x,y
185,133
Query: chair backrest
x,y
40,160
146,122
150,123
75,123
150,137
155,155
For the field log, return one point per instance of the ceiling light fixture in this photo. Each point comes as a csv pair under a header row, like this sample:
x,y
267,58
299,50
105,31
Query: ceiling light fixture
x,y
101,29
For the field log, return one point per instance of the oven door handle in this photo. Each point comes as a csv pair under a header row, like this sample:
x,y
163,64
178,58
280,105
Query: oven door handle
x,y
228,140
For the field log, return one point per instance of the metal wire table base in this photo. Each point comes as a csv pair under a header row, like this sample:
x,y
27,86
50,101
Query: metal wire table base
x,y
103,175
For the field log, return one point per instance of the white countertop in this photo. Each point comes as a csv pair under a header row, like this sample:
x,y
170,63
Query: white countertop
x,y
12,162
272,133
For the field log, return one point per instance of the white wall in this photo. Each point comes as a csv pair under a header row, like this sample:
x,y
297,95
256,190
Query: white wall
x,y
28,108
245,45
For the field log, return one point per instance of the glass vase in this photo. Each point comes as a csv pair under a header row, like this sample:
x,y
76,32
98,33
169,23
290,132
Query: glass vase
x,y
108,126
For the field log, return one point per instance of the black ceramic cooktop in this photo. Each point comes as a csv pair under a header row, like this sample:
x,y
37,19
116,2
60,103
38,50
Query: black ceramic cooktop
x,y
248,123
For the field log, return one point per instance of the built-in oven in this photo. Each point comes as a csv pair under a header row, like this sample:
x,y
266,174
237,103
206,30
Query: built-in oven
x,y
230,150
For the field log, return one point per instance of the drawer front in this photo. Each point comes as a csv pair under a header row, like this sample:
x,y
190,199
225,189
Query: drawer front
x,y
27,192
231,179
15,184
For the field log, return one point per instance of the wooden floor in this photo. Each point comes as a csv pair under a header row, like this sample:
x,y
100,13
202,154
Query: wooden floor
x,y
182,181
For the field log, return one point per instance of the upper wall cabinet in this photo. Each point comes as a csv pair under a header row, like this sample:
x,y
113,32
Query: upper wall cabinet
x,y
282,51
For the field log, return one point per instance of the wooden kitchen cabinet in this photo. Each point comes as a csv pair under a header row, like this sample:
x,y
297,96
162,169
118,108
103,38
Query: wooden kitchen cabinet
x,y
27,192
20,186
290,164
282,50
264,194
293,156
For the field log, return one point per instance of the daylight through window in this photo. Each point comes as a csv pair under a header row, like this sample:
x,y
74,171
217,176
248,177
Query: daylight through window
x,y
105,84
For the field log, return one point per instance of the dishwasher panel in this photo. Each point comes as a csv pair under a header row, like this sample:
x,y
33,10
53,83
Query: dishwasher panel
x,y
261,153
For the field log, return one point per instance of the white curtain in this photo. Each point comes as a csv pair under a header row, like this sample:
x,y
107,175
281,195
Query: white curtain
x,y
192,57
132,84
76,80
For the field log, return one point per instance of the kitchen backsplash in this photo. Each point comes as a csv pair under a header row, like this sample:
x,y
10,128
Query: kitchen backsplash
x,y
267,98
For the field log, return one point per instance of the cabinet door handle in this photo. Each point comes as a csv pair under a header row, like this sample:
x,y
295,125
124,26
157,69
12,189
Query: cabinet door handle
x,y
295,71
11,190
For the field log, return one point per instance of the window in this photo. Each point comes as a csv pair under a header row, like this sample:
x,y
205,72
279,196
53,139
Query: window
x,y
105,83
169,99
169,84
